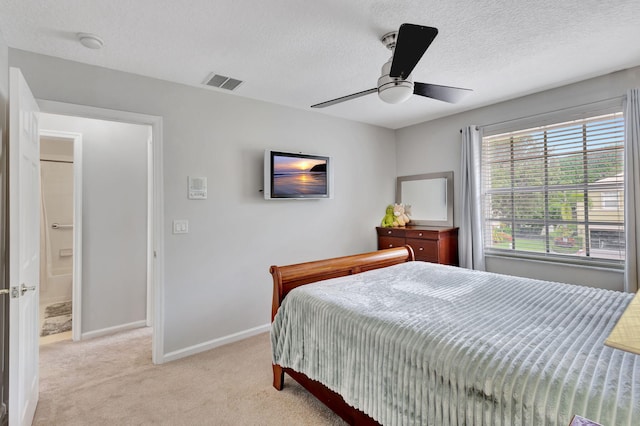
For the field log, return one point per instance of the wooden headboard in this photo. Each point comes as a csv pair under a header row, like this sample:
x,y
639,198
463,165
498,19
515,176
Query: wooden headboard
x,y
286,278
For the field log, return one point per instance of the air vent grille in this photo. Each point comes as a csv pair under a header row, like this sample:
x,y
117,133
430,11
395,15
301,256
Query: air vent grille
x,y
222,82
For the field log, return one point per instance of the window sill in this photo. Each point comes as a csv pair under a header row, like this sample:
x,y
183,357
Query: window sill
x,y
602,265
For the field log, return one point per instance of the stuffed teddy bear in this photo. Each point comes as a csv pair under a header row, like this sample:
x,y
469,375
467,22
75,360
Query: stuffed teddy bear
x,y
387,220
400,217
407,211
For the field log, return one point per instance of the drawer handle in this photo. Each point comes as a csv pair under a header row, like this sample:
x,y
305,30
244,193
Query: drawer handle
x,y
389,232
420,234
390,245
421,248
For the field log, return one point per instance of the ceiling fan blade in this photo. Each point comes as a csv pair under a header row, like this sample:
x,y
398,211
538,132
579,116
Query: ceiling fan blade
x,y
441,93
412,42
344,98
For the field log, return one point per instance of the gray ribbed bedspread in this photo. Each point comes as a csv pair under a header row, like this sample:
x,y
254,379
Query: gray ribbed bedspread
x,y
427,344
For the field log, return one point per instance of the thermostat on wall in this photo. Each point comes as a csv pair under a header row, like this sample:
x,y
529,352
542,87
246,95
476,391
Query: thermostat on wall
x,y
197,188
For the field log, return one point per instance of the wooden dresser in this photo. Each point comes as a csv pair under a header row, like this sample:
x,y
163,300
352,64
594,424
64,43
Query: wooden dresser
x,y
430,244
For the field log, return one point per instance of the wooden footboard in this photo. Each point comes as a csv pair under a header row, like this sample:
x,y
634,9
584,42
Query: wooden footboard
x,y
286,278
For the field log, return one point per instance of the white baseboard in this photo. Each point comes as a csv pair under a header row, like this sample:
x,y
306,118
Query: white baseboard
x,y
112,330
201,347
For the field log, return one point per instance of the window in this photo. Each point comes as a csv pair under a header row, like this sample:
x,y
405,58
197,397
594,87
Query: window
x,y
610,200
556,191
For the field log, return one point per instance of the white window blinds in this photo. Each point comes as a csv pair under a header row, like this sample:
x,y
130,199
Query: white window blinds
x,y
556,191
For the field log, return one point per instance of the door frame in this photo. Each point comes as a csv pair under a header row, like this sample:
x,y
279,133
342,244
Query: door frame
x,y
155,238
76,297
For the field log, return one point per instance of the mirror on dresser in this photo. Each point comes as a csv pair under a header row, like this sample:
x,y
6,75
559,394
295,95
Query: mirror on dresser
x,y
430,196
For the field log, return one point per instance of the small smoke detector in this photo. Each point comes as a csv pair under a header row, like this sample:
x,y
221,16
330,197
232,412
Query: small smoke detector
x,y
91,41
222,82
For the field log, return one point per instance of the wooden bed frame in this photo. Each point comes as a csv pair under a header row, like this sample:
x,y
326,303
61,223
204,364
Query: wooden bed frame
x,y
286,278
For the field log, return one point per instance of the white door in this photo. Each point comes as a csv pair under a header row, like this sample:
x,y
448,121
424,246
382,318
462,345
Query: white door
x,y
24,250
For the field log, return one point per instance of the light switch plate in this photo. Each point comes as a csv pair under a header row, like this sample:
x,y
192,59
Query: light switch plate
x,y
180,226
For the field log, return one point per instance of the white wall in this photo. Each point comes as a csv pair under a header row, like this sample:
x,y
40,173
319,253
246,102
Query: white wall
x,y
216,277
435,146
114,219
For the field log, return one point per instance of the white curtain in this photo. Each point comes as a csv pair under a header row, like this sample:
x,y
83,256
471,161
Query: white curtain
x,y
470,241
632,189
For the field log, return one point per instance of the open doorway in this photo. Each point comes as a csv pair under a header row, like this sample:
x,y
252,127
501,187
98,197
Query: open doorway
x,y
60,184
111,285
153,260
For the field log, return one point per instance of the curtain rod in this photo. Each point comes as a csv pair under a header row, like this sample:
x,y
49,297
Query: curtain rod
x,y
615,98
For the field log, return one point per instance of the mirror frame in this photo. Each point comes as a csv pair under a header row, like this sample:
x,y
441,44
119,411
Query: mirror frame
x,y
449,193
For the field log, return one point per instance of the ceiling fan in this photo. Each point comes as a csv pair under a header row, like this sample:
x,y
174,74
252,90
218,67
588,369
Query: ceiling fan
x,y
395,85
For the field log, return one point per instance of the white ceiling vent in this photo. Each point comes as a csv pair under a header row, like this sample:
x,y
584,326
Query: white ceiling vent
x,y
222,82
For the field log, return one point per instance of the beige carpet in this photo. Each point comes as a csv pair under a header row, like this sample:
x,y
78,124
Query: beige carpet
x,y
111,381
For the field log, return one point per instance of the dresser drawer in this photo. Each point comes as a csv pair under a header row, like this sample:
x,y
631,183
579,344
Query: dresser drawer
x,y
423,234
391,232
425,250
390,242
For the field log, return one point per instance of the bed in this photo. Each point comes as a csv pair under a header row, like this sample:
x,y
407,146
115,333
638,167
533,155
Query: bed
x,y
382,339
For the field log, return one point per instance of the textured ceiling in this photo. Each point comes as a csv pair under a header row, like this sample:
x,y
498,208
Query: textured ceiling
x,y
298,53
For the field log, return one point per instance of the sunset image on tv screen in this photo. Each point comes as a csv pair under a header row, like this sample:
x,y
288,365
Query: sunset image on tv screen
x,y
299,176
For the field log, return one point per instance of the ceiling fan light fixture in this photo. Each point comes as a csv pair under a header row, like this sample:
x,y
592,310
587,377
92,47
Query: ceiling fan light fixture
x,y
396,92
393,90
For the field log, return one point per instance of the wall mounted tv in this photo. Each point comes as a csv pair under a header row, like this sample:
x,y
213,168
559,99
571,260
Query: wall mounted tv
x,y
289,175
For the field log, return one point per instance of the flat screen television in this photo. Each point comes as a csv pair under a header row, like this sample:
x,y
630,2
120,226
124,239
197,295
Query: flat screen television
x,y
289,175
